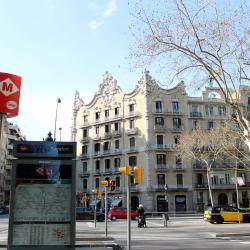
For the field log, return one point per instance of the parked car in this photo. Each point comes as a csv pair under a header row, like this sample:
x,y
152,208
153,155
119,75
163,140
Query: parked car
x,y
83,213
220,214
121,213
4,209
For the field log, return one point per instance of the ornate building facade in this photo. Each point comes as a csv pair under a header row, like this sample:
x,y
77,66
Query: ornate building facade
x,y
142,127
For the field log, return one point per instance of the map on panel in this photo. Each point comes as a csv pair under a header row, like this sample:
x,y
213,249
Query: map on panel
x,y
42,202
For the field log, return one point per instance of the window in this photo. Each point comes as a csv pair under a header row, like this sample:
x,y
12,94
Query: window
x,y
160,159
117,162
107,128
85,184
194,108
107,163
84,149
210,124
117,144
131,124
195,124
215,179
131,108
97,115
97,147
106,112
85,167
106,146
179,180
159,139
116,111
97,130
85,133
132,161
117,181
176,122
97,165
176,139
85,118
175,106
178,161
116,126
161,179
200,197
159,121
132,142
158,106
227,178
97,183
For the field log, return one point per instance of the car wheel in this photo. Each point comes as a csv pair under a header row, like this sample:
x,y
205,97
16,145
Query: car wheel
x,y
220,220
113,218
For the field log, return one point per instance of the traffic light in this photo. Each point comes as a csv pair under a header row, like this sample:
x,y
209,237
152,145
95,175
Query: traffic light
x,y
138,175
125,170
100,194
105,183
112,185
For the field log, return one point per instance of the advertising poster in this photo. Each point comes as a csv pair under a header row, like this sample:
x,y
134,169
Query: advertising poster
x,y
42,211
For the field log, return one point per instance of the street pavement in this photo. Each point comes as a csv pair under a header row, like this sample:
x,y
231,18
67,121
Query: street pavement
x,y
181,233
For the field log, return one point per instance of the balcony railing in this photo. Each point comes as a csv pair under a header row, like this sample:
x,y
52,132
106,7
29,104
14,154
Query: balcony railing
x,y
132,131
196,114
161,167
116,133
85,139
84,156
160,128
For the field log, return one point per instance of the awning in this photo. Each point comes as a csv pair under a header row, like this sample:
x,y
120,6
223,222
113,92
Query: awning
x,y
94,202
116,203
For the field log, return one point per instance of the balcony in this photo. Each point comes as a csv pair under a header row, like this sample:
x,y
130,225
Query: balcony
x,y
107,171
85,124
132,150
201,185
161,167
97,154
177,129
223,186
178,167
116,133
97,137
97,172
85,139
132,131
178,188
132,114
196,114
160,128
84,174
107,135
106,152
159,187
163,147
117,151
84,156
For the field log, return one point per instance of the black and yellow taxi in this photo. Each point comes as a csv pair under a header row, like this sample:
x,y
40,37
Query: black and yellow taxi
x,y
220,214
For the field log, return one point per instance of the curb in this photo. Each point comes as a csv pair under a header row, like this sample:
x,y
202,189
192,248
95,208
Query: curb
x,y
231,234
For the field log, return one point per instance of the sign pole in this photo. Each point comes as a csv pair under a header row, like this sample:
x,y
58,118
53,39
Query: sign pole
x,y
128,214
106,214
95,211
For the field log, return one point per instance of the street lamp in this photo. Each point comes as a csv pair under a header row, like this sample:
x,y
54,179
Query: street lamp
x,y
60,129
57,102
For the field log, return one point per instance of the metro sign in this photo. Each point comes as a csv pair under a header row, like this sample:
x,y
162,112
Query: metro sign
x,y
10,86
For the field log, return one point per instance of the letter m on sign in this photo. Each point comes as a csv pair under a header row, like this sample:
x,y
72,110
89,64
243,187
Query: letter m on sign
x,y
8,87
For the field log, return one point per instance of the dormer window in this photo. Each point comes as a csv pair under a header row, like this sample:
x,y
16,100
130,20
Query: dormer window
x,y
106,113
116,111
97,115
158,106
131,108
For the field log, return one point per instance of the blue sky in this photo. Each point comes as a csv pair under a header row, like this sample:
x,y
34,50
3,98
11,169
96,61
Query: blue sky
x,y
59,46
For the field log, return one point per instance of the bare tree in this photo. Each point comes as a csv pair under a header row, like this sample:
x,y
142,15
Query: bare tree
x,y
199,39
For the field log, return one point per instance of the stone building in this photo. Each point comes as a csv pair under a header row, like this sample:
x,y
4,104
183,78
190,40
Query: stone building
x,y
142,128
9,134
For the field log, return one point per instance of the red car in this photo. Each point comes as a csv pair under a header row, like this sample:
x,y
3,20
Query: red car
x,y
121,213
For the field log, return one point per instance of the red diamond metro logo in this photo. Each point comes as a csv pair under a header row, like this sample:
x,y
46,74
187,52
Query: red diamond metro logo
x,y
8,87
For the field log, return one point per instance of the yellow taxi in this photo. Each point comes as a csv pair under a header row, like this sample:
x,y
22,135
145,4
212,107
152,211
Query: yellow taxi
x,y
220,214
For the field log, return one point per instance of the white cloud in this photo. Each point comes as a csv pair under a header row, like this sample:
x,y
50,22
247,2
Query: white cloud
x,y
111,6
95,24
108,12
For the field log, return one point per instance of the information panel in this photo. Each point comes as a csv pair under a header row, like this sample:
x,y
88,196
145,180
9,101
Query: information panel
x,y
42,206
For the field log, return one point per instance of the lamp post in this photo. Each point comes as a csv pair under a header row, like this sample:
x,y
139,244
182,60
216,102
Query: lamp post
x,y
60,129
57,102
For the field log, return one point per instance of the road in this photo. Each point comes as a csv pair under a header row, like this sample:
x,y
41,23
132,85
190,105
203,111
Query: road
x,y
181,233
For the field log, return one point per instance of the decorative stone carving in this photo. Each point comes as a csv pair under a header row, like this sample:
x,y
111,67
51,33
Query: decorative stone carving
x,y
78,102
108,87
146,84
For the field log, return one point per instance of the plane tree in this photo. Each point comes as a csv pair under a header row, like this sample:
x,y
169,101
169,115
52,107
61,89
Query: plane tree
x,y
199,41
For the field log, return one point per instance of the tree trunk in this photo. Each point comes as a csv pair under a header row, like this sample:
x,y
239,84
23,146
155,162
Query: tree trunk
x,y
209,186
